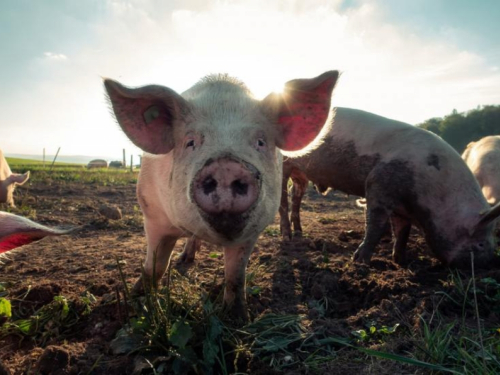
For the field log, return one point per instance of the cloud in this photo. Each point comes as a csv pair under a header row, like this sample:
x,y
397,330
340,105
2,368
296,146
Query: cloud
x,y
55,56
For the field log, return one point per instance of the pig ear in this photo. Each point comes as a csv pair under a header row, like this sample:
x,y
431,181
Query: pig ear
x,y
17,231
301,110
19,179
488,216
147,114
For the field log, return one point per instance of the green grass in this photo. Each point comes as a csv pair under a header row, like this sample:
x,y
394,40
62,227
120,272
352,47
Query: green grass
x,y
75,173
16,162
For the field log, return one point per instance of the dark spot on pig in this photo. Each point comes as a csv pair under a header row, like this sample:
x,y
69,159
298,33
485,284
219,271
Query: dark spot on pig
x,y
208,162
393,185
352,170
433,161
227,224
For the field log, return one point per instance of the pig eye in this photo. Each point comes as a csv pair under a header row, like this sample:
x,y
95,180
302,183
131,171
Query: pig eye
x,y
190,143
261,143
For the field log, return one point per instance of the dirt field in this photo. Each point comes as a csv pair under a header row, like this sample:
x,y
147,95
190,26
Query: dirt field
x,y
312,275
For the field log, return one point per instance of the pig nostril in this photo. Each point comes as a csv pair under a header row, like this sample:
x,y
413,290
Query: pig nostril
x,y
209,185
239,188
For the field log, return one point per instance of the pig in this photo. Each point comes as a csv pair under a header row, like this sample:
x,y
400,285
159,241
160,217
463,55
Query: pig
x,y
407,175
8,181
17,231
212,165
483,158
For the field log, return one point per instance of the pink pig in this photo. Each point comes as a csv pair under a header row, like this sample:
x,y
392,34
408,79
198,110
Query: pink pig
x,y
213,164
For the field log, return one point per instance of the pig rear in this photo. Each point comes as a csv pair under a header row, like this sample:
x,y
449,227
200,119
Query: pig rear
x,y
8,181
483,158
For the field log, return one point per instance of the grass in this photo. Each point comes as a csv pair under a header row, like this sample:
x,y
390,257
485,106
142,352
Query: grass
x,y
74,173
186,327
50,321
181,328
17,162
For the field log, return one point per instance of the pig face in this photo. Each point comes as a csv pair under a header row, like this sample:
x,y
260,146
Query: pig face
x,y
223,168
480,240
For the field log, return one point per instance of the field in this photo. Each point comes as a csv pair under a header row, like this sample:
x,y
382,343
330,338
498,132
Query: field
x,y
312,309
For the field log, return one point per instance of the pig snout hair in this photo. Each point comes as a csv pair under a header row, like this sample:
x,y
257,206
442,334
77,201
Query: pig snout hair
x,y
16,231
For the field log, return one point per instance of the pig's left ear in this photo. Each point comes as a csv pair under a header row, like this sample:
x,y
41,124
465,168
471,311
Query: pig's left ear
x,y
301,110
147,114
17,231
489,216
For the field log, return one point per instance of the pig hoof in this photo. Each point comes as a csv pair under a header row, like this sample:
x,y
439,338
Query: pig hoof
x,y
399,259
361,257
141,286
185,258
138,288
297,234
236,314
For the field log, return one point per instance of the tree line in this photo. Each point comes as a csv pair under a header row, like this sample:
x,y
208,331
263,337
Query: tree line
x,y
458,129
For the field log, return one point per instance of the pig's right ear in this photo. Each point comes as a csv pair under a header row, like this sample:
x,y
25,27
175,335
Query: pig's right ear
x,y
301,110
147,114
17,231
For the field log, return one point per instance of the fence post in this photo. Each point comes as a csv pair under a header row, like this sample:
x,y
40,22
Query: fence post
x,y
55,157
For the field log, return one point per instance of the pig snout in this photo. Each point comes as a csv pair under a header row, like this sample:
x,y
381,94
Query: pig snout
x,y
225,191
226,186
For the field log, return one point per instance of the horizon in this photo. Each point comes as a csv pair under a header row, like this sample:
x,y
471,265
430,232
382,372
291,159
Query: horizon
x,y
410,61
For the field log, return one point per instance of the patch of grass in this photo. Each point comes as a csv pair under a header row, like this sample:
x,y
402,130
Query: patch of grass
x,y
182,328
49,321
463,344
78,173
272,231
372,333
16,162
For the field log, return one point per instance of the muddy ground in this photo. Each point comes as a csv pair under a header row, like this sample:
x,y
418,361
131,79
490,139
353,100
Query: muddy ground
x,y
312,275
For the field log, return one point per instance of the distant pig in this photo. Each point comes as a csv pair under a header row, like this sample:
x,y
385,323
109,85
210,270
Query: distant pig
x,y
17,231
213,164
408,175
8,181
483,158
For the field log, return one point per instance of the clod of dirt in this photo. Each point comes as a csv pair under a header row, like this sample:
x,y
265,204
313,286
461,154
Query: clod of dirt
x,y
345,236
110,212
4,370
325,283
41,294
54,360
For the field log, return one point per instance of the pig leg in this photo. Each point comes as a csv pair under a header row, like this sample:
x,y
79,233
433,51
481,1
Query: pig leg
x,y
401,228
285,228
235,263
379,208
160,245
299,188
376,221
192,246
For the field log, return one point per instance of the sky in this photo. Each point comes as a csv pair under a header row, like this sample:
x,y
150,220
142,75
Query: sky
x,y
409,60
